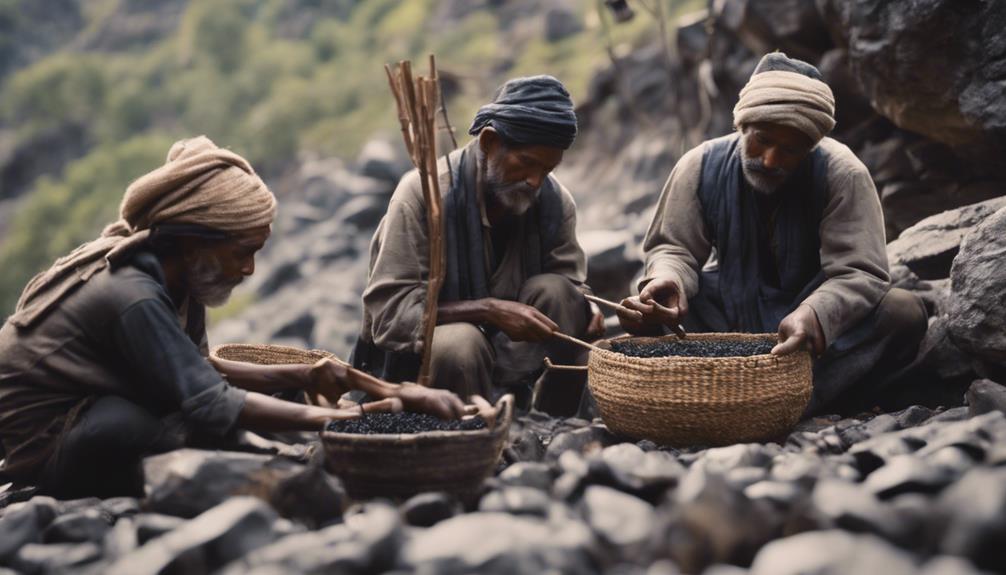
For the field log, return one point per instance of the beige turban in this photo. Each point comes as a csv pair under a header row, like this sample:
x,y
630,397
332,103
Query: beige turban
x,y
198,184
790,99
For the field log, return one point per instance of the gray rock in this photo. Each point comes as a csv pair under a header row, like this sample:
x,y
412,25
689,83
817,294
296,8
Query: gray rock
x,y
984,396
977,318
516,545
793,26
528,474
150,525
780,493
741,477
832,553
612,261
720,459
561,22
583,440
186,482
428,509
908,474
383,160
849,506
928,248
22,523
81,527
517,501
971,515
939,356
947,565
621,521
120,540
57,558
214,538
117,507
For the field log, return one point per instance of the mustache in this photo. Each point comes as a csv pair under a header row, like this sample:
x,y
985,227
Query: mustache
x,y
755,166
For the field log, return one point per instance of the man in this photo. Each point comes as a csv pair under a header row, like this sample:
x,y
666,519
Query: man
x,y
111,340
514,269
795,227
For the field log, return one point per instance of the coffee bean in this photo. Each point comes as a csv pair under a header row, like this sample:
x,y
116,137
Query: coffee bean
x,y
404,422
692,348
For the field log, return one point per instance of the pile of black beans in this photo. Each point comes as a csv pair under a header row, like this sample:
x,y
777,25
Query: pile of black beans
x,y
692,348
404,422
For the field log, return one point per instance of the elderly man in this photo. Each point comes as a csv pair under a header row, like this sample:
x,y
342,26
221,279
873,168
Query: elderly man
x,y
111,340
795,227
514,269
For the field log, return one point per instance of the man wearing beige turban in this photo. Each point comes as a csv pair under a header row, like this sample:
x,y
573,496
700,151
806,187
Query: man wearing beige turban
x,y
109,345
778,228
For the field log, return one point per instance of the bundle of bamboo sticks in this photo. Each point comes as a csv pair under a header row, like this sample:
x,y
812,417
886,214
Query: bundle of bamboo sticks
x,y
418,100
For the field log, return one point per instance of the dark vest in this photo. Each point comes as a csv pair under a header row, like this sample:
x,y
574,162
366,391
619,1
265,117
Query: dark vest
x,y
753,299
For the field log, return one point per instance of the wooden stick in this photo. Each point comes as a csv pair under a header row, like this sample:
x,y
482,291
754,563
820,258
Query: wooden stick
x,y
676,328
554,366
578,342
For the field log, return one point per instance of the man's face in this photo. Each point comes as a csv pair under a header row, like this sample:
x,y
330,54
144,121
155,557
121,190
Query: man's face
x,y
214,268
770,153
515,175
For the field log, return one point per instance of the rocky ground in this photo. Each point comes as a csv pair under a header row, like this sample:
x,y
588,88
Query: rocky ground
x,y
917,491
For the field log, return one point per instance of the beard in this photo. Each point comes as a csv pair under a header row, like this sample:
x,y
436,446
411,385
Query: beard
x,y
762,179
204,277
515,198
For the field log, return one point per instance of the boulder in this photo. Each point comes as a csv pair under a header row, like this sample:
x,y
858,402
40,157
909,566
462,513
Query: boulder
x,y
833,552
792,26
622,522
428,509
929,247
984,396
977,318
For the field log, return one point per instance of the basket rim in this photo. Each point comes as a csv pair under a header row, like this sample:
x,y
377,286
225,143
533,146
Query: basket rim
x,y
214,351
504,406
603,351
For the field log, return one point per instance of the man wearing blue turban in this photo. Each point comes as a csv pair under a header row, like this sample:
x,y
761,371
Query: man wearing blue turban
x,y
515,271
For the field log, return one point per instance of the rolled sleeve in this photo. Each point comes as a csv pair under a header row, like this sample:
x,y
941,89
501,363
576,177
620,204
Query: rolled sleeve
x,y
169,367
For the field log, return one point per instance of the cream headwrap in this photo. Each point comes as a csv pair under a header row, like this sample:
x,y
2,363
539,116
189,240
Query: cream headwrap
x,y
198,184
787,98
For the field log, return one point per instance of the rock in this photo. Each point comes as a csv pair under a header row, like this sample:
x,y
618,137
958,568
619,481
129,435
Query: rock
x,y
383,160
150,525
367,542
83,527
528,474
792,26
908,474
890,50
310,495
843,505
741,477
947,565
940,357
517,501
621,521
977,318
58,558
984,396
780,493
22,523
611,262
971,515
117,507
583,440
516,545
214,538
428,509
928,248
721,459
832,552
187,482
120,540
561,22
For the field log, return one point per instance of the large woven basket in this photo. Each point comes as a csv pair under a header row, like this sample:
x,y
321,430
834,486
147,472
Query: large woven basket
x,y
402,465
700,401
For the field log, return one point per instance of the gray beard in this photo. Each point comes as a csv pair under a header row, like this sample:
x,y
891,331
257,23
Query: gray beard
x,y
203,278
515,198
758,176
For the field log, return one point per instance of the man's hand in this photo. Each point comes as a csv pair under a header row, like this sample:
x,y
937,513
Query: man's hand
x,y
437,402
521,322
328,378
595,329
800,330
660,303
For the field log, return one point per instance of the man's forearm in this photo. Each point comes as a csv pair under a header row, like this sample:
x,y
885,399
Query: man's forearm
x,y
471,311
264,378
266,413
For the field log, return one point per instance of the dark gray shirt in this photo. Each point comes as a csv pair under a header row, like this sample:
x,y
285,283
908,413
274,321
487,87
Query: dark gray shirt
x,y
119,333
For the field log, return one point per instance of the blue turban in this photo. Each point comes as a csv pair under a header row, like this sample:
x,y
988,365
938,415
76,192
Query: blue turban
x,y
533,111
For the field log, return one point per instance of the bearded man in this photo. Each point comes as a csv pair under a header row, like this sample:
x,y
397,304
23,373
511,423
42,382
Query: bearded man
x,y
778,228
106,352
514,268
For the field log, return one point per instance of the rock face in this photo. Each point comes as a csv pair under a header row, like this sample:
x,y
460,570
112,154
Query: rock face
x,y
977,317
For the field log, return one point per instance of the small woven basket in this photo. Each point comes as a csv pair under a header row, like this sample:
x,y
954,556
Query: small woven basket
x,y
268,354
698,400
402,465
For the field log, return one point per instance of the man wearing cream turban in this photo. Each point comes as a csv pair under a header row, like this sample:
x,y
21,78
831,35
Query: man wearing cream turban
x,y
778,228
111,340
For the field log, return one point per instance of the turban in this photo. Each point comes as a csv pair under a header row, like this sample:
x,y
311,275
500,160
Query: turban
x,y
789,92
199,185
533,111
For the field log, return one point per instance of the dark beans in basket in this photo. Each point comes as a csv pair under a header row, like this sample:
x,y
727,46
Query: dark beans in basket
x,y
404,422
693,348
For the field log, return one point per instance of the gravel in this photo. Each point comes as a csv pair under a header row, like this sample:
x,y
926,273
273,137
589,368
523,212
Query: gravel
x,y
404,422
693,348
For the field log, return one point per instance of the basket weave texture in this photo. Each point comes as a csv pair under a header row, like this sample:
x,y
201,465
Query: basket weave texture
x,y
268,354
402,465
700,400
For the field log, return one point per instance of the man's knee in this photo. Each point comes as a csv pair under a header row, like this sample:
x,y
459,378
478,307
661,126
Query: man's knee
x,y
902,313
461,349
558,298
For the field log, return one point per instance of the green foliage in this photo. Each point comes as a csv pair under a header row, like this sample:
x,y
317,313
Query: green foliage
x,y
272,79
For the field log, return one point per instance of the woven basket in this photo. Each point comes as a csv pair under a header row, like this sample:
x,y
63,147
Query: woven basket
x,y
697,400
402,465
268,354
